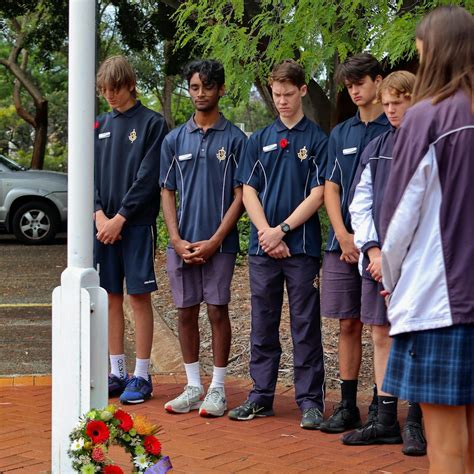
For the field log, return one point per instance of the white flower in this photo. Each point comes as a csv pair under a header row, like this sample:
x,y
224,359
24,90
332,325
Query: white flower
x,y
77,444
141,461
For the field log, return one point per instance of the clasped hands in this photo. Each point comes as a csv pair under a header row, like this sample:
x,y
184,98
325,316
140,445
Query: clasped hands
x,y
196,253
108,230
270,240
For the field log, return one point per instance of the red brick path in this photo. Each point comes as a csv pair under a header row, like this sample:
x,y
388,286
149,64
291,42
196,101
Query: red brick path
x,y
198,445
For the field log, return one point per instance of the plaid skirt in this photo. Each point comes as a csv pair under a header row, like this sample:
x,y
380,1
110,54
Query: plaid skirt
x,y
433,366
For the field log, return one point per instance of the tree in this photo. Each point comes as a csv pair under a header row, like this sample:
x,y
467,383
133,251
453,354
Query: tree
x,y
250,36
32,28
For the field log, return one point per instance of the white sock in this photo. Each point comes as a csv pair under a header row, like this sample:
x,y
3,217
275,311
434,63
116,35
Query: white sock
x,y
218,377
141,368
117,365
193,374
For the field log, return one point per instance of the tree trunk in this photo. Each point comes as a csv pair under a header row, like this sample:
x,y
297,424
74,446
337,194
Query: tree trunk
x,y
168,88
317,106
41,135
266,96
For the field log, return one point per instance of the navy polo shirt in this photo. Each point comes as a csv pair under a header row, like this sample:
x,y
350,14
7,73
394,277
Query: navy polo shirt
x,y
283,174
201,167
346,144
127,164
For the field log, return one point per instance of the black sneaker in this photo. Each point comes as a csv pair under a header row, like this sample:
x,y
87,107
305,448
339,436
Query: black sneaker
x,y
414,442
343,418
248,411
373,433
311,419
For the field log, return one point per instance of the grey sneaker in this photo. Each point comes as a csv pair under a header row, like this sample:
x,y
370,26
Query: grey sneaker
x,y
249,410
190,399
215,403
311,419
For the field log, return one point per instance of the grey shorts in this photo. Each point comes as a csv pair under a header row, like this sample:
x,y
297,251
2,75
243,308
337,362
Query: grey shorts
x,y
192,284
340,288
373,310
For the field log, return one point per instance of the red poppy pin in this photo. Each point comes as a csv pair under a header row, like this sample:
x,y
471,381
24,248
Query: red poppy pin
x,y
283,143
96,124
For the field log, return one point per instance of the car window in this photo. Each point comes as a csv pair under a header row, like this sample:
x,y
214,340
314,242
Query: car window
x,y
9,165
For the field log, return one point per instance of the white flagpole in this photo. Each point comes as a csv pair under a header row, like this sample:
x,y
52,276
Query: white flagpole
x,y
79,306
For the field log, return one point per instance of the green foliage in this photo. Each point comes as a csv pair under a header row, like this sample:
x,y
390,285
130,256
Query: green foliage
x,y
249,37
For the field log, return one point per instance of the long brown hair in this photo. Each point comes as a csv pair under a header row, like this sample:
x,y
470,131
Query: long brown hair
x,y
447,62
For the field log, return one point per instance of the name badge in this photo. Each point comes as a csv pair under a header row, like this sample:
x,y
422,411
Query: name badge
x,y
269,147
349,151
104,135
185,157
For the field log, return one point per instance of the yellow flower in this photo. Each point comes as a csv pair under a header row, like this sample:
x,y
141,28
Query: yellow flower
x,y
143,426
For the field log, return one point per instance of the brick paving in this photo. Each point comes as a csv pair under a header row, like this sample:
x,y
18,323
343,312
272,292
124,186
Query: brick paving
x,y
200,445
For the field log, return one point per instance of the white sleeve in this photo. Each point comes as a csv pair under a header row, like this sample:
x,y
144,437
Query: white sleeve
x,y
361,211
404,224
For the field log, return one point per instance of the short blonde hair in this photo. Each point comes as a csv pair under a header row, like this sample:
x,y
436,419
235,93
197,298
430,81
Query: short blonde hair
x,y
116,72
398,83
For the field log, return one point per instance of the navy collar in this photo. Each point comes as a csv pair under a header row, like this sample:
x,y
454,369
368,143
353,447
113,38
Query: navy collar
x,y
300,126
191,125
380,120
129,112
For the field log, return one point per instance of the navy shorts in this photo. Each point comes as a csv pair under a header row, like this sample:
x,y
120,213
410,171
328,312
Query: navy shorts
x,y
373,310
340,288
433,366
192,284
132,258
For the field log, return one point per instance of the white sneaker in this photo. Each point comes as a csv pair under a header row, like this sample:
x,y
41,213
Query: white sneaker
x,y
190,399
215,403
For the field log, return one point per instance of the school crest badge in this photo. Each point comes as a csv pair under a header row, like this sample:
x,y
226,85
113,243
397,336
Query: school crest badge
x,y
303,153
132,136
221,154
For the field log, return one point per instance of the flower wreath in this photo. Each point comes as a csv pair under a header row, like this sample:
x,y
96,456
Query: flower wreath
x,y
99,429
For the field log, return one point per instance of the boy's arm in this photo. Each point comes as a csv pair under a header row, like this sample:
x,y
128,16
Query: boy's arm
x,y
332,201
270,237
181,247
204,249
257,216
365,234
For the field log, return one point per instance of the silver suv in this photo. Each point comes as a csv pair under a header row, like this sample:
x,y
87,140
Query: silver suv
x,y
33,204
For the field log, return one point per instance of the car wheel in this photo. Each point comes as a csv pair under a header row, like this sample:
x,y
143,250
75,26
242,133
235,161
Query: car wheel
x,y
35,223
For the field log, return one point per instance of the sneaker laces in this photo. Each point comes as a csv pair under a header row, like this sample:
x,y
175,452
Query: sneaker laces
x,y
188,393
312,412
415,431
213,395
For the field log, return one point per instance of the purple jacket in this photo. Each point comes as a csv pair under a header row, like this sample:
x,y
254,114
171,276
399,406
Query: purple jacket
x,y
428,218
368,192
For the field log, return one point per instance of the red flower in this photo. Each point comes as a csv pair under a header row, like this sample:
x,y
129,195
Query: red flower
x,y
97,431
126,422
110,469
98,454
283,143
96,124
152,445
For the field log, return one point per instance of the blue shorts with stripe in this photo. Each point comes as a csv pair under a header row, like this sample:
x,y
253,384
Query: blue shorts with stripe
x,y
131,258
433,366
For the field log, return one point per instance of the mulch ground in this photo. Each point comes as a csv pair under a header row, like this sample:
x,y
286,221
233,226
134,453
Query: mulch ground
x,y
239,311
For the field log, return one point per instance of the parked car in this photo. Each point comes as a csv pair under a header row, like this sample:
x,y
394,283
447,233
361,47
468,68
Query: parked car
x,y
33,203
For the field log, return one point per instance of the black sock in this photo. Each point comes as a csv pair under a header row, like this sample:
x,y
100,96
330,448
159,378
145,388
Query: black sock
x,y
349,392
375,397
414,412
387,414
